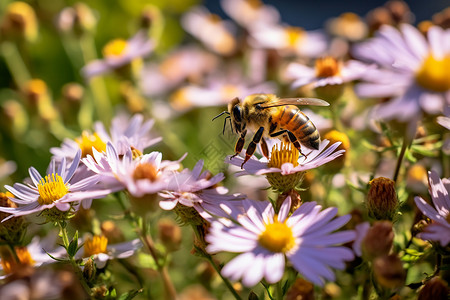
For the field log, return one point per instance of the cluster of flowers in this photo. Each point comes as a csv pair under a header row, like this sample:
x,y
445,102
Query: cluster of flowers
x,y
405,67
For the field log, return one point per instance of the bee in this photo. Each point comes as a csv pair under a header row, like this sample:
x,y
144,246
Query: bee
x,y
269,117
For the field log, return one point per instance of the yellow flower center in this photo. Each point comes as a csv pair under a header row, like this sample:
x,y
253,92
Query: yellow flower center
x,y
180,99
95,245
145,171
115,48
277,237
135,152
214,19
327,67
434,74
9,264
294,35
87,141
36,87
229,91
51,188
287,154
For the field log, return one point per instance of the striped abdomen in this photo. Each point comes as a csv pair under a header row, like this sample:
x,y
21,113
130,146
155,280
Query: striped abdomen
x,y
291,118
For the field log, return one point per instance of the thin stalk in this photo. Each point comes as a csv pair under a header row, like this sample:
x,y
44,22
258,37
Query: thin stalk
x,y
76,267
405,145
164,273
224,279
15,63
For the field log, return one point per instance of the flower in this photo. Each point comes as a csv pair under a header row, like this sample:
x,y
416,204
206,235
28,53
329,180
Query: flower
x,y
56,190
98,248
439,229
311,160
265,238
125,132
327,71
251,13
289,40
35,254
141,175
196,190
414,71
118,53
218,90
215,34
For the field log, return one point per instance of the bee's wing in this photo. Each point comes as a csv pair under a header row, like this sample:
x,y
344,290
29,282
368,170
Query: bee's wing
x,y
295,101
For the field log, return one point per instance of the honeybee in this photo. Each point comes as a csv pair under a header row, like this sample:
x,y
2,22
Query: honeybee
x,y
270,116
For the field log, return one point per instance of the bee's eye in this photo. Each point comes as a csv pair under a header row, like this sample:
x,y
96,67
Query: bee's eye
x,y
258,106
237,113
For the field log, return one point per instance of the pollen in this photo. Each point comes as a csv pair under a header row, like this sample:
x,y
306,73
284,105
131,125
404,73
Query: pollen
x,y
287,154
51,188
115,48
434,74
145,171
327,67
95,245
277,237
88,141
294,35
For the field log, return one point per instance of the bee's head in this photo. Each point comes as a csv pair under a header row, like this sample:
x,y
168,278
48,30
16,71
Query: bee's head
x,y
236,113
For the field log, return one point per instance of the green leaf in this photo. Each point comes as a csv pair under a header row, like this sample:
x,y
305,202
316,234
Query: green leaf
x,y
146,261
73,246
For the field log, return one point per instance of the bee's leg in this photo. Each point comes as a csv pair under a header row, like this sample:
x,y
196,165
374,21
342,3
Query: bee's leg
x,y
264,148
252,146
239,144
292,138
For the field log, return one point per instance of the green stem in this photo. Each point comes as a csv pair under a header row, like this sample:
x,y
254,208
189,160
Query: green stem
x,y
224,279
405,145
15,63
66,242
97,84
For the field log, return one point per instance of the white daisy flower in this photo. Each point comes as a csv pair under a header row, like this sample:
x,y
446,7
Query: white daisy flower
x,y
56,190
265,239
251,13
414,71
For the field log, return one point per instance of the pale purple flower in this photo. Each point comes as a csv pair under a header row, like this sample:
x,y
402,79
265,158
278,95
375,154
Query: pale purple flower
x,y
289,40
265,239
39,250
196,189
218,90
414,71
216,34
124,132
251,14
302,75
114,251
439,229
313,159
118,172
173,70
137,47
56,189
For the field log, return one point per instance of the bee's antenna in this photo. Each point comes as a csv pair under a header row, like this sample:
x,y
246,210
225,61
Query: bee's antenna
x,y
224,112
225,124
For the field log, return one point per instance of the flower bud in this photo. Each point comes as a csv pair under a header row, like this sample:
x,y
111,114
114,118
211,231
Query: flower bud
x,y
382,202
14,117
135,102
89,270
13,230
78,19
378,240
435,288
169,234
36,92
338,163
300,289
388,271
442,18
73,92
19,22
